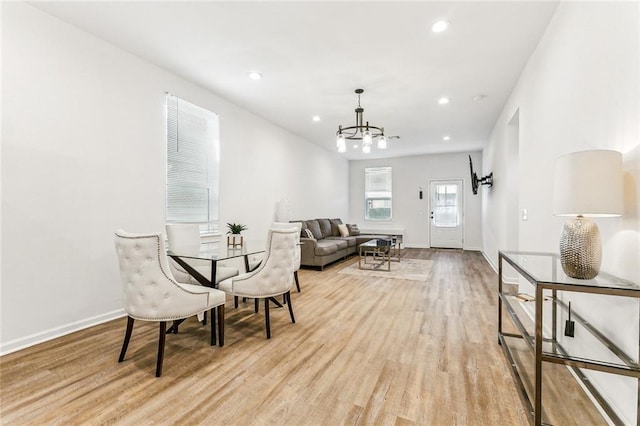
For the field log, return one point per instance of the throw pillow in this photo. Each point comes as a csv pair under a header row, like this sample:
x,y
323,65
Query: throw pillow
x,y
308,234
344,231
353,229
334,227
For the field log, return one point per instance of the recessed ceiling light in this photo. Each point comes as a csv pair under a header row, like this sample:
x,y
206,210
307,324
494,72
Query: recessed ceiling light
x,y
443,100
446,138
440,26
316,118
479,97
254,75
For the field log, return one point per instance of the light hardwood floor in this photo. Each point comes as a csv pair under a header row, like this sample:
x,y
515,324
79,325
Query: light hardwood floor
x,y
363,351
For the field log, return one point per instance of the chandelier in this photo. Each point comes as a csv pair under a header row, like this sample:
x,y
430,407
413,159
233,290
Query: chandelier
x,y
363,132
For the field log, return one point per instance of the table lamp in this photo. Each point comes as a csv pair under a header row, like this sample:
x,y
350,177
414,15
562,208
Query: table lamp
x,y
586,184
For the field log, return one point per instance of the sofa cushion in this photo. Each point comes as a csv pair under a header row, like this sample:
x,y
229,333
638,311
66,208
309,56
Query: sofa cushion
x,y
314,227
325,227
334,227
342,244
353,229
351,241
342,228
325,247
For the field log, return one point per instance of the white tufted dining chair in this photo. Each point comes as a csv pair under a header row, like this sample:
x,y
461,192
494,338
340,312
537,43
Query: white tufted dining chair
x,y
273,277
255,260
151,293
185,238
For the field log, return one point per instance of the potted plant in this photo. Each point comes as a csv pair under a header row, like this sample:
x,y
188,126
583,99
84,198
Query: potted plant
x,y
234,239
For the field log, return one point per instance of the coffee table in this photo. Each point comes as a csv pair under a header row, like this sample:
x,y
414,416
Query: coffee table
x,y
379,250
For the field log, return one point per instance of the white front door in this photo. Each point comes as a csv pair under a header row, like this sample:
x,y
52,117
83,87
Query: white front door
x,y
446,213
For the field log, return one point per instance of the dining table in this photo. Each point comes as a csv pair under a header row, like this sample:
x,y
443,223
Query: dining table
x,y
214,252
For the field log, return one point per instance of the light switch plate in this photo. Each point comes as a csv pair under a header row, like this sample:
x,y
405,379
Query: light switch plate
x,y
524,214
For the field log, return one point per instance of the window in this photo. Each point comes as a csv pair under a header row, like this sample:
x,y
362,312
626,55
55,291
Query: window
x,y
377,193
192,164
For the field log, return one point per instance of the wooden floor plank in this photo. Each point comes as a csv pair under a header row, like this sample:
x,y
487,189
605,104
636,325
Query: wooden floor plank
x,y
362,351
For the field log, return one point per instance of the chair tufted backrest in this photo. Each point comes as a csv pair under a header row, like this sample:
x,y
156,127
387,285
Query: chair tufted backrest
x,y
150,291
183,236
274,276
298,226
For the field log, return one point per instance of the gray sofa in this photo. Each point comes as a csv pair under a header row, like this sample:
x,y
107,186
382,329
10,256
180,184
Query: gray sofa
x,y
327,245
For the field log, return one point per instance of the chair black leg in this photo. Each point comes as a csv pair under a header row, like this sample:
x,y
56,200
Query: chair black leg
x,y
204,319
220,324
266,317
295,275
257,305
213,327
127,337
163,331
235,302
288,297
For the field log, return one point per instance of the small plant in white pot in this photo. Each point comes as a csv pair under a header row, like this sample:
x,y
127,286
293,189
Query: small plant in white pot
x,y
234,239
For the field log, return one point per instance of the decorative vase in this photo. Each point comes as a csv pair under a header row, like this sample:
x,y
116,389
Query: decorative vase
x,y
234,240
580,249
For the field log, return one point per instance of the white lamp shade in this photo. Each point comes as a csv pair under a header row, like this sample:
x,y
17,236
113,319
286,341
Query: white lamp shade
x,y
588,183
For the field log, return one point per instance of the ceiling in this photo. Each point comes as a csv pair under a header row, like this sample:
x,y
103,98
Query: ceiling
x,y
313,55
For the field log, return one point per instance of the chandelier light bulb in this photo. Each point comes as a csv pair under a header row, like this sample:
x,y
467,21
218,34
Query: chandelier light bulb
x,y
342,148
382,142
440,26
366,149
366,138
340,141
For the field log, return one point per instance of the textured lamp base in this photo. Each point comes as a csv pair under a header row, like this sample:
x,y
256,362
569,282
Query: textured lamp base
x,y
580,249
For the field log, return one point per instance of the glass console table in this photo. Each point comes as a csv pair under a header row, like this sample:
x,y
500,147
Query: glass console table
x,y
535,336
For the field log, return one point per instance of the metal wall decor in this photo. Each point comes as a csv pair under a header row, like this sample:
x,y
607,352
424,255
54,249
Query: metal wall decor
x,y
360,131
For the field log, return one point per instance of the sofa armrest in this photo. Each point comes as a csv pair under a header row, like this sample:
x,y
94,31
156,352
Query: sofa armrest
x,y
307,248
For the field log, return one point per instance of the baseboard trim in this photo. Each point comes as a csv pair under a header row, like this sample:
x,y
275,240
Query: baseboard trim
x,y
426,246
495,269
54,333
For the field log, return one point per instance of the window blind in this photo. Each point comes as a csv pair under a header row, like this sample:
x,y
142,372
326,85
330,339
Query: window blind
x,y
192,164
378,193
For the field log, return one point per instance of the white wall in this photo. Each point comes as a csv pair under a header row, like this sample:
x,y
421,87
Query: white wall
x,y
83,154
411,213
579,91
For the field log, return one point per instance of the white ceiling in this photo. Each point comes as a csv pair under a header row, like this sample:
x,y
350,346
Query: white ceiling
x,y
313,55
